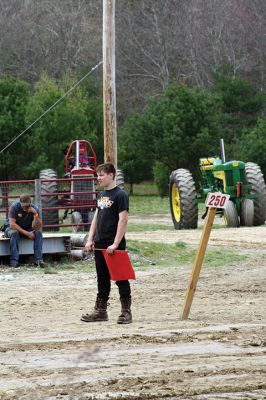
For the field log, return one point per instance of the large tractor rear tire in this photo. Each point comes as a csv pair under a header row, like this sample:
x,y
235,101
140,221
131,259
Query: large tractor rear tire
x,y
230,215
256,180
247,213
49,217
183,200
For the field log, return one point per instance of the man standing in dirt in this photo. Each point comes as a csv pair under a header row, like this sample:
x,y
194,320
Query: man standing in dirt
x,y
23,221
107,231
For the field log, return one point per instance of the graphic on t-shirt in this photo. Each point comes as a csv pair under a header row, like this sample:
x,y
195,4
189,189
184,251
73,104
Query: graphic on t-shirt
x,y
104,202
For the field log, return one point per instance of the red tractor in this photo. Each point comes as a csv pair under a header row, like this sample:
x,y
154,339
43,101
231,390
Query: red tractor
x,y
75,193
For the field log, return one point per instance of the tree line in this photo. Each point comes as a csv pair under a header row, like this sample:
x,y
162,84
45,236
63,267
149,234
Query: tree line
x,y
175,129
78,116
185,124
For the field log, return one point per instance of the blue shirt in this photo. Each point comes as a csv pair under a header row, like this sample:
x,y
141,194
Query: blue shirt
x,y
23,219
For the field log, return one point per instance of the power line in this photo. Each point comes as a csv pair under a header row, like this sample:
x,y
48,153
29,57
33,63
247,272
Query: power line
x,y
50,108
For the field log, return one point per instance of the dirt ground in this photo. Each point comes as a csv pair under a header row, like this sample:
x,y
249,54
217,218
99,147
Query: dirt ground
x,y
46,352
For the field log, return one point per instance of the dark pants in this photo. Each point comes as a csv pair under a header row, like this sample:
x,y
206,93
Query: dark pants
x,y
103,276
14,245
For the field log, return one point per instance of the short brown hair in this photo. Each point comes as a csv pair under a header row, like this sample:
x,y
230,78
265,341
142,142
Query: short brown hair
x,y
107,168
25,198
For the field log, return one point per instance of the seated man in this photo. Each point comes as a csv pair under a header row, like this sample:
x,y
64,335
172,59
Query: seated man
x,y
24,222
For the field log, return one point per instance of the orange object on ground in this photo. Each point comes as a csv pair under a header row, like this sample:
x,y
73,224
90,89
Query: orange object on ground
x,y
119,265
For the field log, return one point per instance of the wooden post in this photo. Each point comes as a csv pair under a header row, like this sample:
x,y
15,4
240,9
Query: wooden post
x,y
198,262
109,87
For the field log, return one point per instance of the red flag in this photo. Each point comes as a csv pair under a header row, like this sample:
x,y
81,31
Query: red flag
x,y
119,265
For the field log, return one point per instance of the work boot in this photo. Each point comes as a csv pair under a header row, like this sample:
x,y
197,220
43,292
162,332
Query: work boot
x,y
40,263
99,313
125,317
14,265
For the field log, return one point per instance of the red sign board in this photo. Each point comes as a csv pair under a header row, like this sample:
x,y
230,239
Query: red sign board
x,y
119,265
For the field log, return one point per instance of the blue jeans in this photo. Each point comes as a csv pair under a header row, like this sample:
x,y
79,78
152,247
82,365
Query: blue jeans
x,y
14,242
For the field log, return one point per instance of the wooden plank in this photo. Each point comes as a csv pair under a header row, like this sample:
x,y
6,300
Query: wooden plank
x,y
198,262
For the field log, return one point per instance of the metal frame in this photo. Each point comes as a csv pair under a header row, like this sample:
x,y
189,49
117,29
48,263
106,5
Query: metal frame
x,y
66,199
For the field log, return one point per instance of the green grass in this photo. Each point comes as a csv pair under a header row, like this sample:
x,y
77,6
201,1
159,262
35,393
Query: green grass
x,y
148,205
63,264
147,227
161,255
143,188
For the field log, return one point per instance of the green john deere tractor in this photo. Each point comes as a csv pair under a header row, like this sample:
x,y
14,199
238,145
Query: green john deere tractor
x,y
244,183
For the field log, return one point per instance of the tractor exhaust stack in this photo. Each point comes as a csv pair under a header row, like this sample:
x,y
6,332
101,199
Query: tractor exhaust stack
x,y
222,150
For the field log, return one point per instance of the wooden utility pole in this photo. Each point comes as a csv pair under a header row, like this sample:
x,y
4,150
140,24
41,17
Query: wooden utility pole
x,y
109,88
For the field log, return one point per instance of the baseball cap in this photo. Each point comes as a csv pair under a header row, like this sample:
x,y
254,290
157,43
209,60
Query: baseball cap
x,y
25,200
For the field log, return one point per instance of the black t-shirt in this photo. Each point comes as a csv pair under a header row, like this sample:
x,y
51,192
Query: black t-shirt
x,y
109,204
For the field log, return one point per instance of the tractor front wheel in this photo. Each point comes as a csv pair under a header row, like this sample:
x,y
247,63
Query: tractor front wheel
x,y
247,212
230,215
183,200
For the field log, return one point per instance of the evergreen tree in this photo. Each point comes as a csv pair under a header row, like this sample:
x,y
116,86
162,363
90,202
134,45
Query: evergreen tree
x,y
14,96
252,145
175,130
242,104
74,117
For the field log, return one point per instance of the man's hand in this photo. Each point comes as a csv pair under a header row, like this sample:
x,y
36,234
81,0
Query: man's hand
x,y
30,235
110,249
32,210
89,245
121,229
